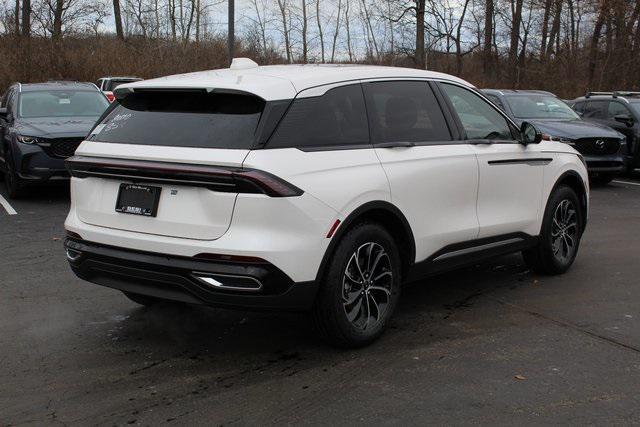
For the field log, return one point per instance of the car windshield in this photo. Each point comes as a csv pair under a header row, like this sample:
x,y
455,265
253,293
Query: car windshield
x,y
62,103
540,107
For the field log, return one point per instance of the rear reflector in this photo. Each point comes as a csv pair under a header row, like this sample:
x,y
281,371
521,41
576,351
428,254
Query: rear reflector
x,y
110,96
333,229
216,178
229,282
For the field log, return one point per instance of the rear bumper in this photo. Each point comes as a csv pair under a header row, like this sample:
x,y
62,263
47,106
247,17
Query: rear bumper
x,y
180,278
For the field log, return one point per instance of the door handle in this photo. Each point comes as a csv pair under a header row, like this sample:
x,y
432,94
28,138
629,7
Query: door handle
x,y
397,144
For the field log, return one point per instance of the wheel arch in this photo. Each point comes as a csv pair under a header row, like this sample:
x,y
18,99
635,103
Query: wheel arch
x,y
385,214
573,180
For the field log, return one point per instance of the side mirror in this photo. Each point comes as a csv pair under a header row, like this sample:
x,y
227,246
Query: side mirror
x,y
624,118
529,133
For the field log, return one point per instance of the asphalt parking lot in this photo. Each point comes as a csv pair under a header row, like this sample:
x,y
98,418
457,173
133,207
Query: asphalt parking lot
x,y
493,344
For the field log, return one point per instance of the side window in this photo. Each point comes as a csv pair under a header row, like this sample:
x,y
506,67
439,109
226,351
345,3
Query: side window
x,y
617,109
578,107
338,118
99,84
595,110
404,111
479,119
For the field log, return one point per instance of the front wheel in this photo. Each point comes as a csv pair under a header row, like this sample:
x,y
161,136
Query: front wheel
x,y
12,181
602,179
560,235
360,289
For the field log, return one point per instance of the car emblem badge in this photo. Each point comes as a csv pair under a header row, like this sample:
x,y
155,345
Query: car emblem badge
x,y
600,144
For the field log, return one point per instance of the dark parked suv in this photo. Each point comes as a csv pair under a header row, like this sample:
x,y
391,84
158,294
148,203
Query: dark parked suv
x,y
603,148
41,124
619,110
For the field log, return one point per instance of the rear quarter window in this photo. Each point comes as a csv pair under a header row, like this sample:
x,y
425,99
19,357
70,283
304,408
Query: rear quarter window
x,y
336,119
182,119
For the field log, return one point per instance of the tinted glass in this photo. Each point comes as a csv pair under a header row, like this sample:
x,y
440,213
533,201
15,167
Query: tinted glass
x,y
579,107
185,119
617,109
62,103
496,101
539,107
479,119
595,110
337,118
636,107
112,84
404,112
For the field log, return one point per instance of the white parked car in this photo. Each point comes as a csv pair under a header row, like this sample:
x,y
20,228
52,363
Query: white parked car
x,y
313,187
108,84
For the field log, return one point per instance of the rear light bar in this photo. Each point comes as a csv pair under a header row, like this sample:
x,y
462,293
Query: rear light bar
x,y
216,178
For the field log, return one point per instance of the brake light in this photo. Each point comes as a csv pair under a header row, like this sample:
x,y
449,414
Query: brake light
x,y
110,96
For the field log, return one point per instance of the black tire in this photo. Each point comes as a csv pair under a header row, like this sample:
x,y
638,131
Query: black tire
x,y
12,182
554,255
145,300
602,179
347,289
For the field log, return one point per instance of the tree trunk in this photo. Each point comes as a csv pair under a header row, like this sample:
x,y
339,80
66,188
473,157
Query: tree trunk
x,y
458,39
346,23
595,39
231,35
488,37
555,27
545,28
419,59
285,30
337,30
516,20
57,20
320,30
26,18
117,16
304,31
17,17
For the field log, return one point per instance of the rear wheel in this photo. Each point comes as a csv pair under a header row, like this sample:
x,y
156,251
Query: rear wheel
x,y
560,235
145,300
361,288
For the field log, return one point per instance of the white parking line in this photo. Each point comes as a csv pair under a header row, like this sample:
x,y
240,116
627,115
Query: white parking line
x,y
628,183
7,207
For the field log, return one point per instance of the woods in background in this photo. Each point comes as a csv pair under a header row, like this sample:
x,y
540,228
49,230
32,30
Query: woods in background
x,y
566,46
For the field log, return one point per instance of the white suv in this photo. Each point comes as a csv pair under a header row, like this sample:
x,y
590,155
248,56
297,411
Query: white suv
x,y
312,187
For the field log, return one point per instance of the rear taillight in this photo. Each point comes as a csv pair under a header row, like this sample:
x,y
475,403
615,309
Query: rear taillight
x,y
217,178
110,96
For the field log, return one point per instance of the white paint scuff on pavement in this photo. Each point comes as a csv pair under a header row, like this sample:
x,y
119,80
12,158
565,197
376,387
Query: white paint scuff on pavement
x,y
627,182
7,207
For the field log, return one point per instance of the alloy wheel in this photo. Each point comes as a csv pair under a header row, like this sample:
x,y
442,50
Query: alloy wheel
x,y
564,231
367,286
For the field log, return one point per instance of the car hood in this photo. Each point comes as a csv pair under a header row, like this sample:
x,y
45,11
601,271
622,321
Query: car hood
x,y
574,129
56,127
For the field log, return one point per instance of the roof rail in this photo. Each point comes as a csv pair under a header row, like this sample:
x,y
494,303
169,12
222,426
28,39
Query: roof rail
x,y
625,93
590,94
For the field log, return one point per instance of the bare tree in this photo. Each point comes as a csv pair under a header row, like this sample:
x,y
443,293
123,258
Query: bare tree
x,y
336,30
26,18
488,37
282,4
304,31
319,21
117,16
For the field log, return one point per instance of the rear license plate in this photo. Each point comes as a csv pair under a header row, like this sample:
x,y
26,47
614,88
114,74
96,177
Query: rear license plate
x,y
138,199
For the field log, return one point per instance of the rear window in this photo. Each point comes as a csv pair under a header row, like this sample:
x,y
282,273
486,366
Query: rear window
x,y
183,119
